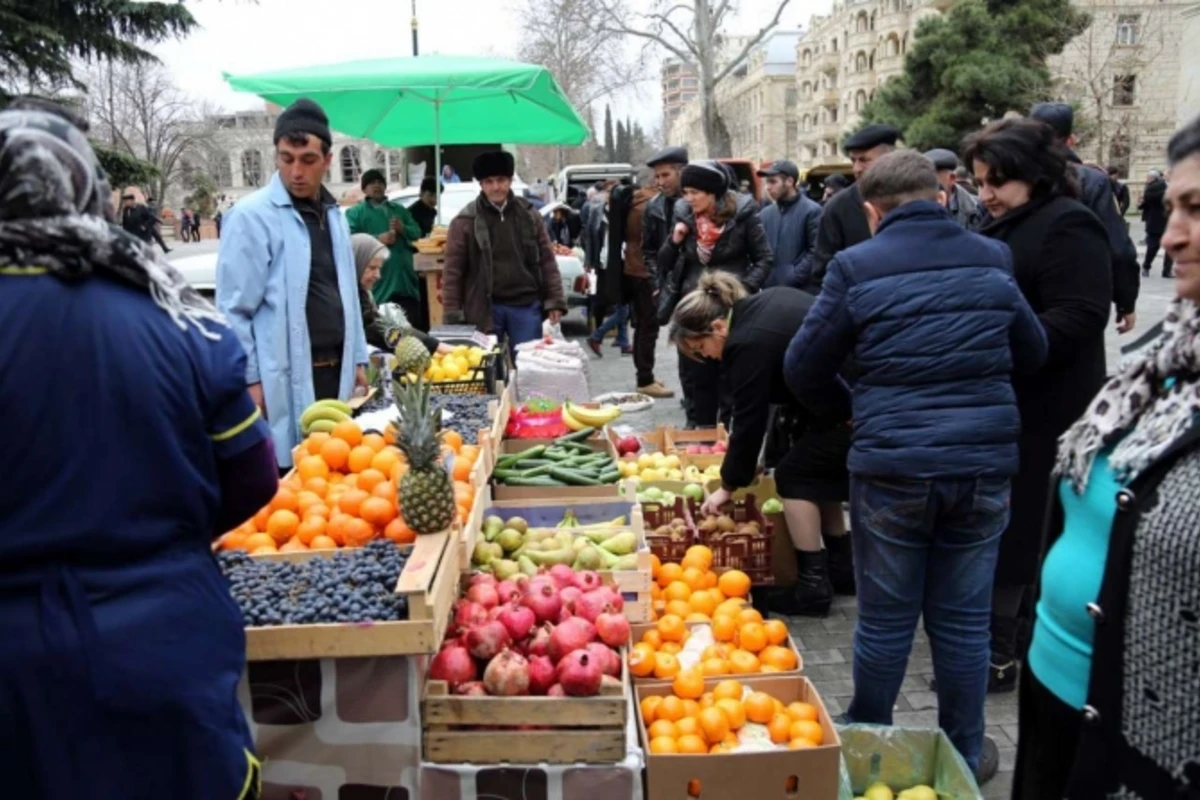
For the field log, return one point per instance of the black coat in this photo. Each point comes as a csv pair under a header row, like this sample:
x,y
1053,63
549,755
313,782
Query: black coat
x,y
843,224
658,219
742,250
1097,195
1062,264
1154,214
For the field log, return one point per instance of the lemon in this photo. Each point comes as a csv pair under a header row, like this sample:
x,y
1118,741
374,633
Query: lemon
x,y
475,357
672,462
451,370
645,461
437,374
461,350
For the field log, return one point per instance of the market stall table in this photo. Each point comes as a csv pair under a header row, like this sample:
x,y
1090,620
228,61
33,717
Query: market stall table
x,y
430,266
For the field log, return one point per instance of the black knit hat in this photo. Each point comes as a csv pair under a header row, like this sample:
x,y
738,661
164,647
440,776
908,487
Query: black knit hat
x,y
1059,116
707,176
372,176
497,163
303,117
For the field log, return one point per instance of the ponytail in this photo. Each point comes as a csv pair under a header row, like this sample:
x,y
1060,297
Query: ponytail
x,y
712,299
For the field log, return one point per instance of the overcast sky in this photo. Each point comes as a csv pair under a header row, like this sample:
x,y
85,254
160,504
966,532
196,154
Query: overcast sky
x,y
242,37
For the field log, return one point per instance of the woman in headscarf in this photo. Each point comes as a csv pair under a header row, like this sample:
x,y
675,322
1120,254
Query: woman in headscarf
x,y
369,255
131,444
1110,699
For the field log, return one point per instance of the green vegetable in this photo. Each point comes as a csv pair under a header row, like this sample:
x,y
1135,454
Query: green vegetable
x,y
541,480
573,477
611,476
577,436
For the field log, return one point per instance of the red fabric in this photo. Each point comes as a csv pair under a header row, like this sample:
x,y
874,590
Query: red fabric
x,y
707,233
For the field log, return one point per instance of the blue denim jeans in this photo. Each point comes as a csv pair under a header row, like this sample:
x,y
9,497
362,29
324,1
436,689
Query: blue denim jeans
x,y
521,323
619,319
926,547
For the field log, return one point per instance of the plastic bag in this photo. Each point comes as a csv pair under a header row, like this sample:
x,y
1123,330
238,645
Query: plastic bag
x,y
903,758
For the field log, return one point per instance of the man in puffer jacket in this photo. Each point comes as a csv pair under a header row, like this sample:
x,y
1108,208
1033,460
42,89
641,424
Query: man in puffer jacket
x,y
937,326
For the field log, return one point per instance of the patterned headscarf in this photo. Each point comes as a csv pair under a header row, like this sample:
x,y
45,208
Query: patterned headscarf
x,y
54,200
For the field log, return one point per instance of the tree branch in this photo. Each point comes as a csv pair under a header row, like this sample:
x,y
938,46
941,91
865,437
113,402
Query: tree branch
x,y
758,37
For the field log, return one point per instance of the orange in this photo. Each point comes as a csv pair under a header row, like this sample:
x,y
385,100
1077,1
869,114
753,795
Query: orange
x,y
666,666
375,441
678,608
777,656
671,708
777,632
306,500
655,566
668,574
693,577
724,628
653,638
730,689
714,724
323,543
292,545
807,729
470,452
660,607
350,502
800,744
282,525
716,749
752,637
285,498
349,432
649,706
462,469
385,459
315,442
742,662
692,744
662,727
310,528
735,710
677,590
642,660
749,615
767,669
799,711
691,707
258,551
733,583
335,452
359,532
702,603
318,486
706,700
258,540
397,531
360,458
731,605
689,683
663,745
760,707
671,628
319,510
687,725
698,556
694,616
674,648
453,439
710,581
368,479
385,490
312,467
377,511
714,666
779,728
336,527
234,540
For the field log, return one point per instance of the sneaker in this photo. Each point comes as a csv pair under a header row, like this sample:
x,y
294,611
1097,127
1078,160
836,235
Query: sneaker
x,y
595,347
989,761
618,344
626,350
656,389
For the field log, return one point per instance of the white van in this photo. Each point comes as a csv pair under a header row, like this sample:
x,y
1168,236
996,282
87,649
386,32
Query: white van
x,y
578,178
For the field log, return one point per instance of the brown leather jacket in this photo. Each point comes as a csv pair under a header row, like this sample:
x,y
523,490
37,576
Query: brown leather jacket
x,y
635,260
467,275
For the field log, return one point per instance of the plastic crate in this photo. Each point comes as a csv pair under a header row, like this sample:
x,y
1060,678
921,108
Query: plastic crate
x,y
750,553
666,548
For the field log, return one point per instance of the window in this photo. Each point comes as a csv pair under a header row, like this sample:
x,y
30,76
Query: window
x,y
1128,28
789,139
833,115
806,57
1124,90
833,45
252,174
381,160
860,100
396,166
351,164
790,97
860,62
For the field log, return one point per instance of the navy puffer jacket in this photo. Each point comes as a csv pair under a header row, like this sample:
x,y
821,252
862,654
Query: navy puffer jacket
x,y
936,325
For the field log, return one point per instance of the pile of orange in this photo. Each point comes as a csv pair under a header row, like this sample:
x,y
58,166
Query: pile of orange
x,y
709,722
690,589
342,493
745,644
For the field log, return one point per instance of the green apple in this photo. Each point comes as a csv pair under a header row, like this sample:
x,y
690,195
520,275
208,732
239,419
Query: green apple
x,y
694,490
772,506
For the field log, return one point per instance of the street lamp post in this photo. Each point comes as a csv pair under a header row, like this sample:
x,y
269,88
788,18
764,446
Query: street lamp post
x,y
414,27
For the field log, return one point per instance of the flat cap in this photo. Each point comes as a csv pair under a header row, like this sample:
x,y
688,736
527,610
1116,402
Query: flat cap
x,y
942,158
668,155
781,167
872,136
1059,116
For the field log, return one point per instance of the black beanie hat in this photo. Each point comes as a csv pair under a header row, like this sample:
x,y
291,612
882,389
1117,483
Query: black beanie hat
x,y
303,117
1059,116
497,163
707,176
372,176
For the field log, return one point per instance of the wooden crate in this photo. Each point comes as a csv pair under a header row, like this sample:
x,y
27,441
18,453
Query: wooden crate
x,y
677,439
429,581
571,729
655,514
638,630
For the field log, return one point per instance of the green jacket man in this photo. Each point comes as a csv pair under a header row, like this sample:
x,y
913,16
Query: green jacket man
x,y
393,225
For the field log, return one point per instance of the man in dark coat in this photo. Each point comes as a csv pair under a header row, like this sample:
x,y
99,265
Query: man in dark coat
x,y
137,219
658,220
844,224
424,208
1098,196
961,204
1154,214
791,221
1120,192
832,185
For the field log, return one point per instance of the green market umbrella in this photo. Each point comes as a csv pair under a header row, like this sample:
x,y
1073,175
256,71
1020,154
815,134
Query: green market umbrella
x,y
438,100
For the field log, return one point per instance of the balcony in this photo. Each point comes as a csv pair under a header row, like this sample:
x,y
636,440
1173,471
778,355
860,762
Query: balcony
x,y
830,97
863,40
827,61
860,80
831,131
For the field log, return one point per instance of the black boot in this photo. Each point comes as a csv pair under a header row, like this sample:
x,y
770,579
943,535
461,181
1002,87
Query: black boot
x,y
841,563
810,597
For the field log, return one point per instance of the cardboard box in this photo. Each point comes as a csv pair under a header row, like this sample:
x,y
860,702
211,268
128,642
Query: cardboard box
x,y
637,631
598,442
811,774
903,758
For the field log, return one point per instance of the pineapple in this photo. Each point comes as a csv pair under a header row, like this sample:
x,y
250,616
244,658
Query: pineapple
x,y
411,356
426,494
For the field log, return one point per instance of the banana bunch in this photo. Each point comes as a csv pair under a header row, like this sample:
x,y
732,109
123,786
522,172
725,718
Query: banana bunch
x,y
323,415
577,418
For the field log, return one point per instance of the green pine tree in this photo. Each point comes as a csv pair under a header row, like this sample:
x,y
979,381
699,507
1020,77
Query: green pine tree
x,y
978,62
610,141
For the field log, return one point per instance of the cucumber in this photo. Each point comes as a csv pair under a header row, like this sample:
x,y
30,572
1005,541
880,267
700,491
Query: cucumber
x,y
558,454
532,452
577,447
577,436
612,476
541,480
530,463
508,474
573,478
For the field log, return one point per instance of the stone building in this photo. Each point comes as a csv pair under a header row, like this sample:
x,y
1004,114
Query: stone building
x,y
679,86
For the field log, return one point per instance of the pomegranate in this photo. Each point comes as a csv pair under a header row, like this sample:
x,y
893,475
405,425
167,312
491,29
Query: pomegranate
x,y
606,657
569,595
610,681
507,675
578,673
487,639
518,619
574,634
542,674
453,665
592,604
556,691
628,445
562,575
467,615
473,689
612,627
484,578
484,594
543,599
507,590
587,580
494,612
564,614
539,641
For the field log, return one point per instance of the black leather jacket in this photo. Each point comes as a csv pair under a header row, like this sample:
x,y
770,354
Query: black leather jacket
x,y
657,221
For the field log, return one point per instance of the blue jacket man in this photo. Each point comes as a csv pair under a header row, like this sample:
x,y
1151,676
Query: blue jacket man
x,y
936,326
791,222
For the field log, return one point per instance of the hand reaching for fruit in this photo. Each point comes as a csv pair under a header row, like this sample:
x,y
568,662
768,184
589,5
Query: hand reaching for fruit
x,y
715,500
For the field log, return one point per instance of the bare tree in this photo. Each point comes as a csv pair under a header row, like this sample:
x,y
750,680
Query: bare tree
x,y
137,109
690,31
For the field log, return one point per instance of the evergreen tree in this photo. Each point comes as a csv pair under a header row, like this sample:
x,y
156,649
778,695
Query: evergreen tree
x,y
979,61
638,142
610,142
624,144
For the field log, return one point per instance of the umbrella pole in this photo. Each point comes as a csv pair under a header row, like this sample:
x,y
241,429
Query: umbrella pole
x,y
437,150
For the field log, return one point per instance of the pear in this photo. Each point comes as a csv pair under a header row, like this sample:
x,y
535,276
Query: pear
x,y
918,792
492,527
628,562
505,569
622,544
527,566
509,539
878,791
517,524
587,559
